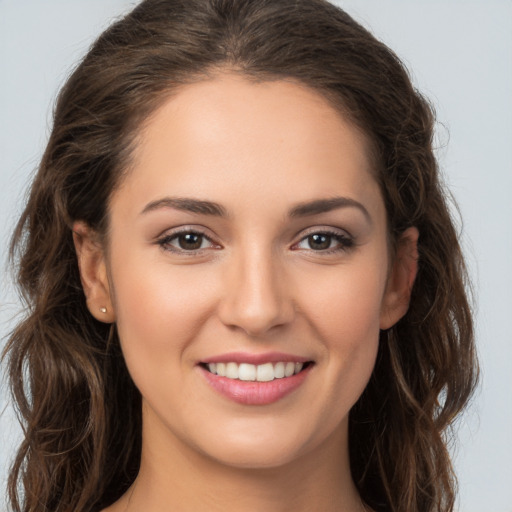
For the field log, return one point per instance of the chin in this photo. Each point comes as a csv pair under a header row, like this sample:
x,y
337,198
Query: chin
x,y
270,446
256,456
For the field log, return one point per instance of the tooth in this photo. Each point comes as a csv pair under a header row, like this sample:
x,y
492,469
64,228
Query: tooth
x,y
278,370
289,369
249,372
265,372
246,371
231,370
221,369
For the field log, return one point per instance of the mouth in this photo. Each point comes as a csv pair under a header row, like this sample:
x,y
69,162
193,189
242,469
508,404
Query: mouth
x,y
265,372
256,379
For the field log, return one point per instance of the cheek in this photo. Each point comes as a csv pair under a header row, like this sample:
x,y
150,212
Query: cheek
x,y
159,310
345,306
345,314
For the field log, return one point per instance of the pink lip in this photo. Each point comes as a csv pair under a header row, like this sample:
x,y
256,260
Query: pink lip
x,y
252,392
246,357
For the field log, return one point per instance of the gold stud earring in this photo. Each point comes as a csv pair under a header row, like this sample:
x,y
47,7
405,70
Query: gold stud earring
x,y
103,310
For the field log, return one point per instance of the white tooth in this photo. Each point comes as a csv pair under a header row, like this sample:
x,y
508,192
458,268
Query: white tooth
x,y
212,367
221,369
231,370
265,372
298,367
289,369
278,370
246,371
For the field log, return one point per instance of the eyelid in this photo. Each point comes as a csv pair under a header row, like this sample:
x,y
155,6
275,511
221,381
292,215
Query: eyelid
x,y
170,234
323,229
345,240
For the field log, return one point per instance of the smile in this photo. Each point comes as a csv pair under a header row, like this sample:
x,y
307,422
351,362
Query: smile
x,y
258,382
256,373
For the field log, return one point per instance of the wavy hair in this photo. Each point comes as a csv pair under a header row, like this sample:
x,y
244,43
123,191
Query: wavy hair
x,y
80,411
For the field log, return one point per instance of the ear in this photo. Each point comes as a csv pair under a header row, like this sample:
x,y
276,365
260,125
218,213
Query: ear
x,y
395,302
93,272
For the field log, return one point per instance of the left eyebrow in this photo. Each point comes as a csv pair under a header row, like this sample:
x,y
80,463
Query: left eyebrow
x,y
326,205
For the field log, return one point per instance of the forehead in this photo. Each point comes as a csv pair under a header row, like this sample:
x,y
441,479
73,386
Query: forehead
x,y
230,136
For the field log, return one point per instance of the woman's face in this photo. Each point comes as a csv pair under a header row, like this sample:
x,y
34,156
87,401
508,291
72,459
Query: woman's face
x,y
248,269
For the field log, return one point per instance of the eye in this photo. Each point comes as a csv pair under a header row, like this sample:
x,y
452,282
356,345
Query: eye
x,y
186,241
325,241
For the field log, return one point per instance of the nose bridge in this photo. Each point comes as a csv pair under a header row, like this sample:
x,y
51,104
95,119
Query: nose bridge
x,y
256,296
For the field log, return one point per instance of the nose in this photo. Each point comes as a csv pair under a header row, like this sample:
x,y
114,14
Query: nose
x,y
257,295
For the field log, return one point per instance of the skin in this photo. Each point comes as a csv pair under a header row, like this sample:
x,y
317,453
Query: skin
x,y
257,284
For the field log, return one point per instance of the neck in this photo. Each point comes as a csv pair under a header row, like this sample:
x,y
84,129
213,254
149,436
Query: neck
x,y
174,476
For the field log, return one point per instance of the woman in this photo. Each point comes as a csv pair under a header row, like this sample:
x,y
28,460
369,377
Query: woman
x,y
245,288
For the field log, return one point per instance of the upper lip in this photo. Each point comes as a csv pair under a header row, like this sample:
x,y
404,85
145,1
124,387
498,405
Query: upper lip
x,y
250,358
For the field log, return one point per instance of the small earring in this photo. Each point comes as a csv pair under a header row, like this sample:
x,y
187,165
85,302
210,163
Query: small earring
x,y
103,310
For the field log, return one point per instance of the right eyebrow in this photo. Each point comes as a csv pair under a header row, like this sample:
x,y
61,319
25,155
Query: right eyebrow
x,y
188,205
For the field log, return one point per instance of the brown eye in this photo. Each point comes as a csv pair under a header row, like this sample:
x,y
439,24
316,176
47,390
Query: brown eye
x,y
326,242
186,242
190,241
319,241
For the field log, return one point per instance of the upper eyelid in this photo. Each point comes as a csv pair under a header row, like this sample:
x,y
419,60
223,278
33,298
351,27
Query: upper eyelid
x,y
303,233
345,239
298,237
166,236
172,232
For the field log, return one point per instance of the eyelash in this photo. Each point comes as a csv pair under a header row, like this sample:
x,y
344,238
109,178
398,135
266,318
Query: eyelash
x,y
344,242
165,242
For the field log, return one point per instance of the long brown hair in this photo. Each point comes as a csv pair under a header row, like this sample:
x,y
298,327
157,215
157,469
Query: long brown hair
x,y
80,410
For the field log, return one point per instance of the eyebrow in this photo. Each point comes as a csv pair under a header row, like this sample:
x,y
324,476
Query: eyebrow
x,y
305,209
326,205
187,205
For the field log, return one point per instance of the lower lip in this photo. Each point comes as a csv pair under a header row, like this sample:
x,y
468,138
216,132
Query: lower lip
x,y
253,392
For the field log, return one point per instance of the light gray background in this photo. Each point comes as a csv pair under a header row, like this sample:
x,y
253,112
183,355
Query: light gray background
x,y
460,54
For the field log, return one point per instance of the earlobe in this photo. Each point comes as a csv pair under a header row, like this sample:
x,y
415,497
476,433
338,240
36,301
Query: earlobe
x,y
93,272
401,278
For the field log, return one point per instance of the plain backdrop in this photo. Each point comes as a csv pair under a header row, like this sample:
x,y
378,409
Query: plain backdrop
x,y
459,53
